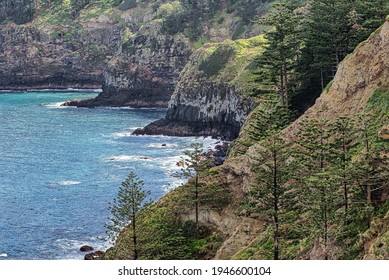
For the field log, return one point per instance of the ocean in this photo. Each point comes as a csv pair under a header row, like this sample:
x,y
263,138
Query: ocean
x,y
61,166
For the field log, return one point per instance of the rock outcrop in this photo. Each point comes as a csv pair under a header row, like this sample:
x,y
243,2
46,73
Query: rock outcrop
x,y
146,71
159,38
134,50
56,56
209,98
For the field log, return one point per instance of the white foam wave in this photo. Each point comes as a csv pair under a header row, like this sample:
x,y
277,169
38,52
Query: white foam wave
x,y
55,105
161,146
3,255
121,134
72,246
125,158
171,163
174,184
69,183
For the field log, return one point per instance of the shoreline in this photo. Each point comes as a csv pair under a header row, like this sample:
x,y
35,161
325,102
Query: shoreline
x,y
70,89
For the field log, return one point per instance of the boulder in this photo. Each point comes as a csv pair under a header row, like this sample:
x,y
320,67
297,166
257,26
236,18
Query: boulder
x,y
93,256
86,248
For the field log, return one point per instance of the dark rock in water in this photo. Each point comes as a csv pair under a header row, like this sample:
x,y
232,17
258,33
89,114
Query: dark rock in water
x,y
73,102
86,248
94,256
177,128
163,145
145,158
88,257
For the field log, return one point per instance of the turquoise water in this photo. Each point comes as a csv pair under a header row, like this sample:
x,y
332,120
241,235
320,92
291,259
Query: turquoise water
x,y
61,166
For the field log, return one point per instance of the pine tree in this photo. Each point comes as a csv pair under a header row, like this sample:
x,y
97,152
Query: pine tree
x,y
283,47
371,168
268,195
370,15
344,140
321,197
125,208
315,185
327,33
195,161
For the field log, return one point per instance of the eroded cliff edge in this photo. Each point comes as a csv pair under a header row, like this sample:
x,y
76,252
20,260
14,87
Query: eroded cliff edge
x,y
215,92
133,50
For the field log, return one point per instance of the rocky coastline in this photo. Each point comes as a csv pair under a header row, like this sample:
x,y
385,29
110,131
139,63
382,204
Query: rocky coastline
x,y
184,129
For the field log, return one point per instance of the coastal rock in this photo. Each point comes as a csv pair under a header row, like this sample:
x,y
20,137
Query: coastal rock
x,y
56,57
71,103
86,248
179,128
94,256
147,70
210,100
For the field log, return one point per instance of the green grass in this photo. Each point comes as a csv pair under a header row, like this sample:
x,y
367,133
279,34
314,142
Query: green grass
x,y
379,102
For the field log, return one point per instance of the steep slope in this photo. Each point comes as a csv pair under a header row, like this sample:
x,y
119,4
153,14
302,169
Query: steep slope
x,y
18,11
53,46
359,78
360,83
56,56
362,73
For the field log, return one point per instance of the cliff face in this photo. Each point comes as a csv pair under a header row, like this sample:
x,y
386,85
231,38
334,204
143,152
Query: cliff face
x,y
146,71
209,98
38,55
135,50
147,68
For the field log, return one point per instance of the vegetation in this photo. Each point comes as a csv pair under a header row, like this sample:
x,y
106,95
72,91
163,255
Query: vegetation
x,y
125,209
230,62
194,162
338,174
325,191
168,229
268,195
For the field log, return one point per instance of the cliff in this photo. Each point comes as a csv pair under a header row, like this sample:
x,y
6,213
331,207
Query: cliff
x,y
146,70
215,92
55,57
134,50
162,36
361,84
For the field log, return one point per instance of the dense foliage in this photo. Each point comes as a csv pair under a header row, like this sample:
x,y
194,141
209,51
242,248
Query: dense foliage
x,y
326,188
308,41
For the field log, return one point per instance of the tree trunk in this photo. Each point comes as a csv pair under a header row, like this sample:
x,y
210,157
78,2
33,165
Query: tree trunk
x,y
282,95
197,200
275,194
286,91
345,187
134,239
325,233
